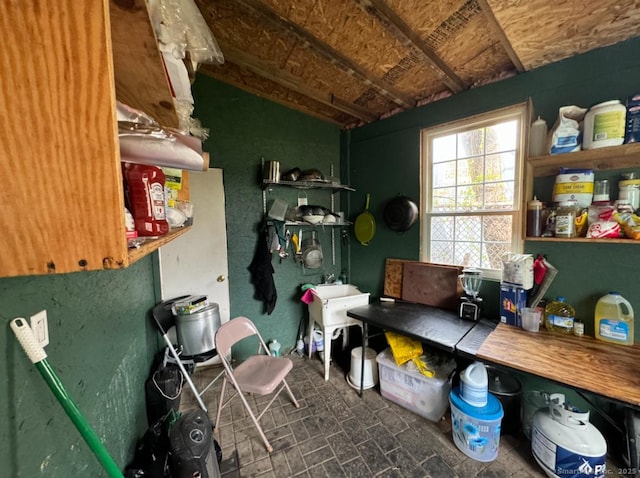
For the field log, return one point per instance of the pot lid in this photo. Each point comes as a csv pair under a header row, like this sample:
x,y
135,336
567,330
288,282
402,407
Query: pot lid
x,y
503,383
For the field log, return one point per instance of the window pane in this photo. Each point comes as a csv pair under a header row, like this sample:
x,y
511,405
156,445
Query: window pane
x,y
497,228
497,240
468,254
443,199
468,228
444,174
442,228
444,148
502,137
501,167
471,170
499,195
471,143
470,197
441,252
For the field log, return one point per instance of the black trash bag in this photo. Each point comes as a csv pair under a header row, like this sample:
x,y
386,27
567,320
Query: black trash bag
x,y
163,388
151,458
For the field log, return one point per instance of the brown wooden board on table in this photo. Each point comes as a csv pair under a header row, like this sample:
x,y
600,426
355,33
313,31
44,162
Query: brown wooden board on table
x,y
393,277
431,284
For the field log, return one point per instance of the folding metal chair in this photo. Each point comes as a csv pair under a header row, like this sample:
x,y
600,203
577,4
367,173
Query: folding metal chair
x,y
260,374
164,320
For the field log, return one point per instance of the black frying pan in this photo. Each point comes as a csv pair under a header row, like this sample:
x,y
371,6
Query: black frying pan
x,y
400,213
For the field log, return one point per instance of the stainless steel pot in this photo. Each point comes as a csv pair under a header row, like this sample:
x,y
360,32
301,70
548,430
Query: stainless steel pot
x,y
196,331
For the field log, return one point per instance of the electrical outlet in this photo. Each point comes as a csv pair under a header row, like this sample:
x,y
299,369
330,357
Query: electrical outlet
x,y
40,327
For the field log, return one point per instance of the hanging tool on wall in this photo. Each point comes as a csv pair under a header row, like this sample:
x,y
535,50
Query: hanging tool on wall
x,y
38,357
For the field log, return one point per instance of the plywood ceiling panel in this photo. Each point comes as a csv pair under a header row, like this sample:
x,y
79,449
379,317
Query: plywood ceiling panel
x,y
352,62
544,31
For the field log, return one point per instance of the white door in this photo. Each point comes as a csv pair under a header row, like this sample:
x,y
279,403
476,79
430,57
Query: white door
x,y
196,262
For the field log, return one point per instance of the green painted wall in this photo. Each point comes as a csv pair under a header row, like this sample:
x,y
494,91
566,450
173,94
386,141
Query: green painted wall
x,y
384,159
101,345
244,129
102,341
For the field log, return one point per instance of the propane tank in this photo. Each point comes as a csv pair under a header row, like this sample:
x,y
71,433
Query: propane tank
x,y
564,443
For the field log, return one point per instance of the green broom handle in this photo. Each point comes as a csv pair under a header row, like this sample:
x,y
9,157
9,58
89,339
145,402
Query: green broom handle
x,y
38,356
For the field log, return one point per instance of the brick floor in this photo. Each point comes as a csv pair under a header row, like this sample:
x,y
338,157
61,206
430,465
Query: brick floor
x,y
335,433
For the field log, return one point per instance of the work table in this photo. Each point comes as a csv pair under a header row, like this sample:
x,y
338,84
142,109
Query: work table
x,y
584,363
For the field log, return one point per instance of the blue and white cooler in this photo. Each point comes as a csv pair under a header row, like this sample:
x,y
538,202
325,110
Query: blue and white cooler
x,y
476,430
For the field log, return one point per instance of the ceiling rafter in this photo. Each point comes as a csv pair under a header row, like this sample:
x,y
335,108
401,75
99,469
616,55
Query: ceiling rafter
x,y
405,35
499,31
287,80
331,54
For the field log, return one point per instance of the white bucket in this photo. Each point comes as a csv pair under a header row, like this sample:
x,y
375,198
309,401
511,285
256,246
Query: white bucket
x,y
370,373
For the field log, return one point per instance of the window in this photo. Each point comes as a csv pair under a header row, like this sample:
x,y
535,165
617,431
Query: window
x,y
471,190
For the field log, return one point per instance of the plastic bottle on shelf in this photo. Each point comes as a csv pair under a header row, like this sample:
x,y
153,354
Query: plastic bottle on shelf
x,y
559,316
614,319
534,218
538,138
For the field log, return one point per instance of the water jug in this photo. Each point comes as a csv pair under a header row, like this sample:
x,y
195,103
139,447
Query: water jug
x,y
474,384
614,319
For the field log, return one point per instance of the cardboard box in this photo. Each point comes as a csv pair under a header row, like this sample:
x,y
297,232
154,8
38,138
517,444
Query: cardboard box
x,y
512,301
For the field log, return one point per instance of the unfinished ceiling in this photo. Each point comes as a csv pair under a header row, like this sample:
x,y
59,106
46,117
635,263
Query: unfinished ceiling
x,y
352,62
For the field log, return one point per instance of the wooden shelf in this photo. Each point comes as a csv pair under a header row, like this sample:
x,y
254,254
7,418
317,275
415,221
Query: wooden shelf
x,y
583,240
614,157
148,247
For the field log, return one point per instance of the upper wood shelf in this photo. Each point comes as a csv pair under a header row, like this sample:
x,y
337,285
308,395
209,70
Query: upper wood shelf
x,y
148,247
614,157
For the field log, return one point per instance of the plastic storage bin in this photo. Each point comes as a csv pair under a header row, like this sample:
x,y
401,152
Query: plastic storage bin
x,y
428,397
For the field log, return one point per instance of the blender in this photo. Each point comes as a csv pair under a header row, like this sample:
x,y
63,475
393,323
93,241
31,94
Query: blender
x,y
470,304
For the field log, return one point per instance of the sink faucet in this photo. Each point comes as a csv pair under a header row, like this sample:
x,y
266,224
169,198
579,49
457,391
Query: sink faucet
x,y
330,279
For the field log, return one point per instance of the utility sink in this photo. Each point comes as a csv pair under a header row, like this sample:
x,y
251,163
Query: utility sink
x,y
329,311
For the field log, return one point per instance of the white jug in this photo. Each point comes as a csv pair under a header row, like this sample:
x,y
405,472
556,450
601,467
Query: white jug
x,y
474,384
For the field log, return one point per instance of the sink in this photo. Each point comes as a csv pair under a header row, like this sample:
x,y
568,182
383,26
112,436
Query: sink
x,y
331,302
329,311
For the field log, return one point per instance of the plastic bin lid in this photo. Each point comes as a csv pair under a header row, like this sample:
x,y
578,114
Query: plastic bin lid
x,y
491,411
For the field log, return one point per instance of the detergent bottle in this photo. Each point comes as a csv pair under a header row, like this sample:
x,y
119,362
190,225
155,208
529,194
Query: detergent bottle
x,y
614,319
474,384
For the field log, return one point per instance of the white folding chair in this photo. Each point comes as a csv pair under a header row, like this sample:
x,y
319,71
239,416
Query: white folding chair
x,y
260,374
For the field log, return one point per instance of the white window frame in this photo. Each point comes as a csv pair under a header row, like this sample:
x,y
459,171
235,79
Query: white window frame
x,y
518,112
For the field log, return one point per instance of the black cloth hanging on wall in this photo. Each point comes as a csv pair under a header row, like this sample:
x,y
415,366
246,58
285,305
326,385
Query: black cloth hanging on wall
x,y
262,274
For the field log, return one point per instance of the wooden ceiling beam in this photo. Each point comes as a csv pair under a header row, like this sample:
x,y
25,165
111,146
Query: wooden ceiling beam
x,y
504,40
405,35
330,54
287,80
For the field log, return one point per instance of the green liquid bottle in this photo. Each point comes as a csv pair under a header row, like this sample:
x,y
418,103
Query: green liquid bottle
x,y
559,316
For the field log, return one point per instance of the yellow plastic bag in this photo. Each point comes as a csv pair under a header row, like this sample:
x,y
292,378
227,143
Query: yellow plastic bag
x,y
406,349
403,348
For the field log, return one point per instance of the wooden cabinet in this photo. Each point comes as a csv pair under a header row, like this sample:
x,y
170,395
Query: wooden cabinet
x,y
63,66
626,156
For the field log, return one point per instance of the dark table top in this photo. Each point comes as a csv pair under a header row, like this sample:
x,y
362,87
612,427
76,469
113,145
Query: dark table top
x,y
432,326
